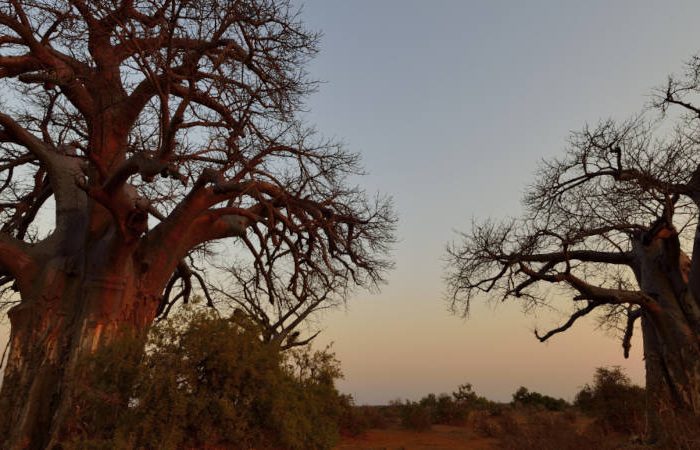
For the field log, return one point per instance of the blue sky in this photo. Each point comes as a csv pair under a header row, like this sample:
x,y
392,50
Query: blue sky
x,y
452,104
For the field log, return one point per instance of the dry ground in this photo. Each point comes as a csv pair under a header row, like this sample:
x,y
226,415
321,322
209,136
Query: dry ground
x,y
439,437
512,429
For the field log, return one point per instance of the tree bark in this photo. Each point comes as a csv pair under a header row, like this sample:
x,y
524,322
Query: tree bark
x,y
671,337
74,306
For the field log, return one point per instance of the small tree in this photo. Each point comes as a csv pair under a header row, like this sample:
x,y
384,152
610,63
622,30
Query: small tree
x,y
467,397
614,400
611,223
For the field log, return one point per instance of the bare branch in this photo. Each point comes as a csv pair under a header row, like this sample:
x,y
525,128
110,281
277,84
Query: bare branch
x,y
632,316
569,323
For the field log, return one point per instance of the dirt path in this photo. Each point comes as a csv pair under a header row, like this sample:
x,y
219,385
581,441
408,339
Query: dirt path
x,y
439,437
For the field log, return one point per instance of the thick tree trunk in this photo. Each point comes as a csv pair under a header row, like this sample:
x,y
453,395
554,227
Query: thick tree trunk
x,y
72,310
658,398
672,377
671,336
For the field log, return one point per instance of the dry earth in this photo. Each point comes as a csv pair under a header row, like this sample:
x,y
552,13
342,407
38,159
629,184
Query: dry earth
x,y
439,437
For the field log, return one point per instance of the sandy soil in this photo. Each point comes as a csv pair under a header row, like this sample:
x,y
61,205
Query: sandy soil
x,y
439,437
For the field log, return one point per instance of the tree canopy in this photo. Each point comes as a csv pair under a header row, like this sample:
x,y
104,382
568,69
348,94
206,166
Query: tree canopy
x,y
612,222
176,122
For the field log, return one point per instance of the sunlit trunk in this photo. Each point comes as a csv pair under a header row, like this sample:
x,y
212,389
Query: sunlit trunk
x,y
71,311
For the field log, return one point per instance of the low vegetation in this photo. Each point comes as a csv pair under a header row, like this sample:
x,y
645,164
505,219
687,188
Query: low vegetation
x,y
207,382
523,397
211,382
614,401
606,413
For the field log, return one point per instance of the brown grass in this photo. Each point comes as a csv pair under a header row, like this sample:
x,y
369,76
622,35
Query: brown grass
x,y
508,429
438,437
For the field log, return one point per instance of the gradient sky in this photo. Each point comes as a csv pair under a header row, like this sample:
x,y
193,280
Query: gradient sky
x,y
452,104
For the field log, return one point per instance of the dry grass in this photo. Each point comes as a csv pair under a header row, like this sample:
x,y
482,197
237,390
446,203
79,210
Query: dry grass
x,y
506,428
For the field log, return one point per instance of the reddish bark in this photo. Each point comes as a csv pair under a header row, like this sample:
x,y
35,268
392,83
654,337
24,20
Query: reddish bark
x,y
173,112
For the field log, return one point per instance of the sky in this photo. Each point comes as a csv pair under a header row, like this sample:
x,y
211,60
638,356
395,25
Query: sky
x,y
452,104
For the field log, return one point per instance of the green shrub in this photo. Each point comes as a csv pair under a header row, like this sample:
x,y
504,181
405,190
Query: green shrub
x,y
356,420
416,416
440,409
449,412
523,397
206,382
466,397
614,401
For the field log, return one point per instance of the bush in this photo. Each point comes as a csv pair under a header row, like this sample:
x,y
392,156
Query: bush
x,y
356,420
545,430
467,398
534,399
614,401
441,409
416,416
206,382
449,412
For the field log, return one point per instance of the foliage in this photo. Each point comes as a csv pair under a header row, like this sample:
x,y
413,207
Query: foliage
x,y
416,416
441,409
465,396
356,420
617,404
206,382
444,410
526,398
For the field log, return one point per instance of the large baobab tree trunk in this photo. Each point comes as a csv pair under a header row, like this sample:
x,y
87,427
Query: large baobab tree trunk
x,y
671,379
71,309
671,333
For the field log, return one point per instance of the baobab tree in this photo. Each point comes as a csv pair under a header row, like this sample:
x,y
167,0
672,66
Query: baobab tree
x,y
133,133
612,222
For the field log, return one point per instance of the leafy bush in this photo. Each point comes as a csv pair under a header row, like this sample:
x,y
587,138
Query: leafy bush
x,y
466,397
356,420
416,416
441,409
449,412
524,397
206,382
617,404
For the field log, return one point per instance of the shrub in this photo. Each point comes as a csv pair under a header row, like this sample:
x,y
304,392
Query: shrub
x,y
526,398
416,416
466,397
547,430
449,412
439,409
614,401
356,420
206,382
